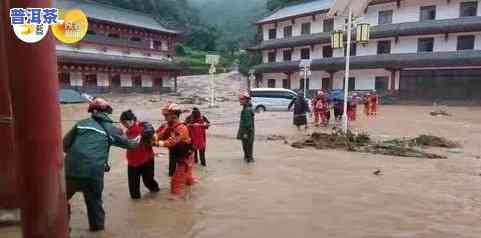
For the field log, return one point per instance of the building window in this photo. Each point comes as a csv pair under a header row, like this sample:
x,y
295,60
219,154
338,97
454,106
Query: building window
x,y
468,9
285,83
91,32
428,13
136,39
271,83
425,44
327,51
466,42
353,49
352,84
157,44
381,83
271,57
272,34
113,35
328,25
306,28
384,47
287,55
287,31
385,17
301,84
305,53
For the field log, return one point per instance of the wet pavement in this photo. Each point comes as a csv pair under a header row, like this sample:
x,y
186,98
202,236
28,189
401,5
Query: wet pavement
x,y
292,192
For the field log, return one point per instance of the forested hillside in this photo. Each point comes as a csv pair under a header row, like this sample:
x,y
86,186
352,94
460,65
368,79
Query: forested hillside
x,y
221,26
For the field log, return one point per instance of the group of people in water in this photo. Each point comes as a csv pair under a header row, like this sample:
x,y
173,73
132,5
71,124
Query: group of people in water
x,y
87,145
323,103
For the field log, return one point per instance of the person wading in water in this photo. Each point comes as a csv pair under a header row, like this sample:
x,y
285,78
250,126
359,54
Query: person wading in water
x,y
246,132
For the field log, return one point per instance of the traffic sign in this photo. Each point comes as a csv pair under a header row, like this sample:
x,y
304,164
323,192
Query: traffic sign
x,y
212,59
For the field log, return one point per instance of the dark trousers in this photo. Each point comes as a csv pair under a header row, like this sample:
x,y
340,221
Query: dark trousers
x,y
146,171
172,164
92,191
200,153
248,148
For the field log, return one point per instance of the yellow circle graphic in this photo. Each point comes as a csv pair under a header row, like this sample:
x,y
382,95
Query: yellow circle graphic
x,y
72,27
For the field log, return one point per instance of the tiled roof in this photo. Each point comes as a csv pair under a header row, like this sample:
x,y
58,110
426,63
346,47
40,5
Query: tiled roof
x,y
467,24
394,61
110,13
298,9
114,60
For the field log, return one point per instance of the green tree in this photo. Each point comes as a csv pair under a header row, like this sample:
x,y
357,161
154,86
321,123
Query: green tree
x,y
247,61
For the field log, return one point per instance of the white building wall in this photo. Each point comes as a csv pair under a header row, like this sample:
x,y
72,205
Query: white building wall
x,y
76,79
365,79
410,10
147,81
103,80
125,80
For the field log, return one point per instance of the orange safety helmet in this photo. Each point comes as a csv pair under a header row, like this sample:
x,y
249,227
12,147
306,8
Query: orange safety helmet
x,y
171,108
99,105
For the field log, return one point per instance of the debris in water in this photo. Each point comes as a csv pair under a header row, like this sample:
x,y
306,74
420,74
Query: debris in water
x,y
425,140
275,137
439,113
401,151
362,143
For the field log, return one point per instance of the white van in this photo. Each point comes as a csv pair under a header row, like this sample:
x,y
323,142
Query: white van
x,y
271,99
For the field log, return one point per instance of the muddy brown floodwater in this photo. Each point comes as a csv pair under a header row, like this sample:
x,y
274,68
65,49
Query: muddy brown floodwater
x,y
292,192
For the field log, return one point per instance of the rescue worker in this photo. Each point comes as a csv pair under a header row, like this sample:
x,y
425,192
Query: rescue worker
x,y
246,132
301,108
352,108
326,110
176,137
87,147
141,159
367,104
198,125
374,102
317,105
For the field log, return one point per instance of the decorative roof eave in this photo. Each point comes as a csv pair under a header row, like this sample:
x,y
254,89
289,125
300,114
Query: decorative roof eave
x,y
321,11
467,24
114,60
290,18
173,33
387,61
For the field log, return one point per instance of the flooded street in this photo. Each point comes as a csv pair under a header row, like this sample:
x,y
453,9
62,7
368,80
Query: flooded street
x,y
292,192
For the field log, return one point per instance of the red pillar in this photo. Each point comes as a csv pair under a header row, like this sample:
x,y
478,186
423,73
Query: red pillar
x,y
8,168
34,93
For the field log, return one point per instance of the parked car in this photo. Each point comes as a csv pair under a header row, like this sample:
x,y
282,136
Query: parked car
x,y
72,96
271,99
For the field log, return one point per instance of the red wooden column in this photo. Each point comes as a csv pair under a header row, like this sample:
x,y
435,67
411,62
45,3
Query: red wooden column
x,y
38,148
8,166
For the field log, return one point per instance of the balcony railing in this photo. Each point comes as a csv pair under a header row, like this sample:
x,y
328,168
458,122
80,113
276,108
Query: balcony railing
x,y
120,42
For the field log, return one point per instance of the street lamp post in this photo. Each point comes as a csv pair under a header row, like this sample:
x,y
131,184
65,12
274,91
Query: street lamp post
x,y
346,76
337,42
305,67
